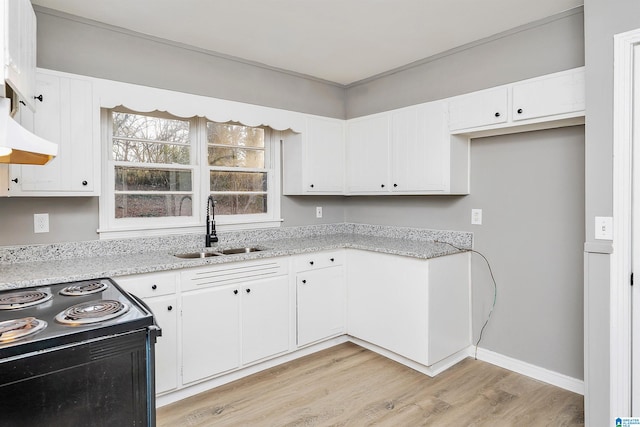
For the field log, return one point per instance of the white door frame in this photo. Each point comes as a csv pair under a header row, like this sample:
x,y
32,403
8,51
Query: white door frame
x,y
620,345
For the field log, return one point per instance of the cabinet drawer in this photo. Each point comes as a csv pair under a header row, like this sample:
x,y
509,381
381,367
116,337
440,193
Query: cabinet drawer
x,y
148,285
316,260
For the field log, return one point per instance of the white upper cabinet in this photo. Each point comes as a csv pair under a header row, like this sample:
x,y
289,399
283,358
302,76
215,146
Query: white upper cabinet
x,y
552,95
419,149
404,151
67,116
314,160
545,102
19,43
368,154
487,107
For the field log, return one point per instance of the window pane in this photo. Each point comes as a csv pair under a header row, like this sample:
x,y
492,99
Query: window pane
x,y
139,179
239,204
238,181
236,135
149,152
236,157
143,205
153,128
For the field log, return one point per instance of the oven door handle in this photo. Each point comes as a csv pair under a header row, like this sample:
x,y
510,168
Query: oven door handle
x,y
155,329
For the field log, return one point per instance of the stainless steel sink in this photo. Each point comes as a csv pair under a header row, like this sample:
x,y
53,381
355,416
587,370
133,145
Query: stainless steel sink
x,y
198,255
234,251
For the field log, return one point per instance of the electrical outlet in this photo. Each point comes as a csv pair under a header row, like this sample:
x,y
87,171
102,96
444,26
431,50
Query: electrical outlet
x,y
41,223
476,216
319,212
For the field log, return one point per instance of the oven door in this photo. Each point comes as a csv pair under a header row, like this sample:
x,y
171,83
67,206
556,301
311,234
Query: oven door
x,y
101,382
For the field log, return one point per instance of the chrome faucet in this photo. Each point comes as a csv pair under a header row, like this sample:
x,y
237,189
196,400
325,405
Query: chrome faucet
x,y
211,236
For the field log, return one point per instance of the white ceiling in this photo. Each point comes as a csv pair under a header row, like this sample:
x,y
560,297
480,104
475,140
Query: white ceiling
x,y
342,41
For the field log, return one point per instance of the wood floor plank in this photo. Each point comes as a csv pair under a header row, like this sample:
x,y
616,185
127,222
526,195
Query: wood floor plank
x,y
347,385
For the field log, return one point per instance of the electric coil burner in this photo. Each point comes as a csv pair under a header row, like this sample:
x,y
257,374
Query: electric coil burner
x,y
23,299
84,288
84,351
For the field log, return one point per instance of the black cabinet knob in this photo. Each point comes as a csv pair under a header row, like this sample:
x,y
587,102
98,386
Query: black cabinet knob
x,y
154,287
519,110
235,292
170,308
304,281
332,259
248,290
84,183
497,114
382,186
395,185
311,262
39,97
311,186
15,180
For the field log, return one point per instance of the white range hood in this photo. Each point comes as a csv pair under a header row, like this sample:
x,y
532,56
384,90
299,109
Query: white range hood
x,y
18,145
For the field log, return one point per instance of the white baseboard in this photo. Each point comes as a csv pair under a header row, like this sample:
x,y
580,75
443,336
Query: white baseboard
x,y
541,374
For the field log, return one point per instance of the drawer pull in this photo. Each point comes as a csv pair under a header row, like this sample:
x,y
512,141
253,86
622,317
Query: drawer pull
x,y
170,308
304,281
248,290
235,292
154,287
311,262
332,259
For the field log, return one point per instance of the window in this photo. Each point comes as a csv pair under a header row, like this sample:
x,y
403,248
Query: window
x,y
155,179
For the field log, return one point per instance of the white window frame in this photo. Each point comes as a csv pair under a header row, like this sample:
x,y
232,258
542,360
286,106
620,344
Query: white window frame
x,y
111,227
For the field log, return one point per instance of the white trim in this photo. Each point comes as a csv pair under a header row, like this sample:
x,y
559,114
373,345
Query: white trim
x,y
620,291
541,374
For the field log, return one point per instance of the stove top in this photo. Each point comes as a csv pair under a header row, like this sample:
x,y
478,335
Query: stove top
x,y
40,318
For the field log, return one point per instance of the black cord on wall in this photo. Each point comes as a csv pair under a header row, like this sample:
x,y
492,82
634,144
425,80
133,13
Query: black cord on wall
x,y
495,290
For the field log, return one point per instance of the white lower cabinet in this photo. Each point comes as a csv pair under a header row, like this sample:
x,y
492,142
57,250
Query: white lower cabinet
x,y
416,308
158,291
320,296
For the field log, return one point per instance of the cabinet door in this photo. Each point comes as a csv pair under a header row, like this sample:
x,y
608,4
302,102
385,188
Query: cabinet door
x,y
559,93
210,332
387,302
368,154
65,116
477,109
165,311
265,318
419,148
20,49
320,302
324,155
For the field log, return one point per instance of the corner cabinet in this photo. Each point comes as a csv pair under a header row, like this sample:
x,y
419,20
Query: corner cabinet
x,y
419,309
405,151
67,116
313,161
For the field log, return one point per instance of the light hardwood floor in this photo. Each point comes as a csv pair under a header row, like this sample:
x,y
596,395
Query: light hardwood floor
x,y
349,386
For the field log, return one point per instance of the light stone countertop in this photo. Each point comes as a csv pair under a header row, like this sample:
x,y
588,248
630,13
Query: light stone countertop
x,y
39,273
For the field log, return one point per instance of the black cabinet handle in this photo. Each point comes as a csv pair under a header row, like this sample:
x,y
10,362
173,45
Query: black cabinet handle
x,y
235,292
332,259
170,308
311,186
519,110
304,281
154,287
39,97
84,183
382,186
311,262
248,290
15,180
497,114
395,185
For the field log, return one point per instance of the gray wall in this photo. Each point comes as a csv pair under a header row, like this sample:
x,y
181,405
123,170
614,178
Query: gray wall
x,y
603,19
543,47
530,187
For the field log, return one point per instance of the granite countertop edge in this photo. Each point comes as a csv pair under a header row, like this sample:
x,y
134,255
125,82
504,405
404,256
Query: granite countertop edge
x,y
41,273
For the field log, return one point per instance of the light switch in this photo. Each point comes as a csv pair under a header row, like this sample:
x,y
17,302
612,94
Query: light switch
x,y
604,228
476,216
